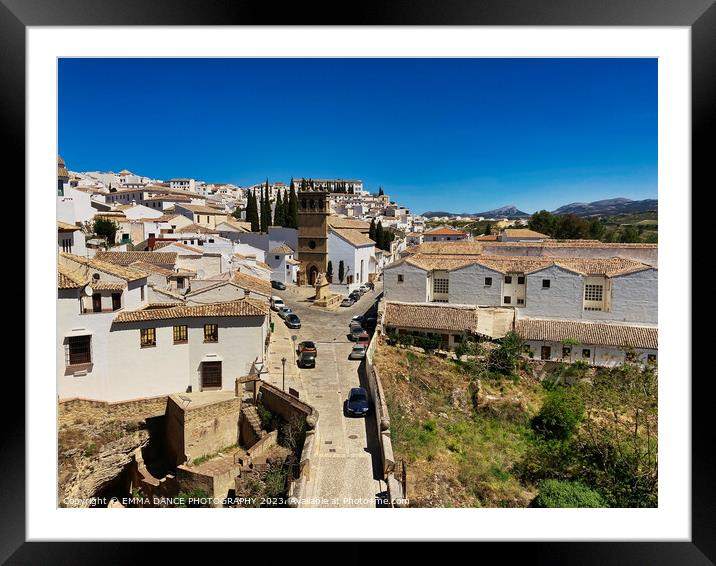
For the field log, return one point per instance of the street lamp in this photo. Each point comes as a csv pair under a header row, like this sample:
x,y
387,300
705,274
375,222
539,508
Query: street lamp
x,y
283,362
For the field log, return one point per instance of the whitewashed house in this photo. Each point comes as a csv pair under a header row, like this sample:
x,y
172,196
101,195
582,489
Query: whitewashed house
x,y
71,238
284,266
114,346
355,250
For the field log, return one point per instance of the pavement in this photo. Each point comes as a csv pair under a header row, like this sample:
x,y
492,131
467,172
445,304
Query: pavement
x,y
347,471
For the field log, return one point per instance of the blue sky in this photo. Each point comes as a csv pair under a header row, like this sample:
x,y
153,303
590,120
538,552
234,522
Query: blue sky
x,y
462,135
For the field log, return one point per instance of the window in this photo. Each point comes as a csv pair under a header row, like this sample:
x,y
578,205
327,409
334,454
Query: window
x,y
586,353
546,283
593,293
275,257
400,278
141,292
508,279
180,334
521,280
116,301
79,350
66,245
211,333
96,302
520,301
180,282
566,351
312,244
440,285
147,337
488,281
507,300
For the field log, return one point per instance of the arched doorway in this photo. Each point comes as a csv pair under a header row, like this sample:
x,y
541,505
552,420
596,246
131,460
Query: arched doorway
x,y
312,274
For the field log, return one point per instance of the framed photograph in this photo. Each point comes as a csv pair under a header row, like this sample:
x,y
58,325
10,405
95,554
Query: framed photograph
x,y
313,270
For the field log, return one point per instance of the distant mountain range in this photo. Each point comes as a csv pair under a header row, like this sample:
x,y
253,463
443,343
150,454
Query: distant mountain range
x,y
608,207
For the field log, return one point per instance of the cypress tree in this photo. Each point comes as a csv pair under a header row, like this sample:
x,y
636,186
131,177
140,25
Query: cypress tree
x,y
379,236
380,191
252,214
329,271
292,220
341,271
278,211
265,210
371,230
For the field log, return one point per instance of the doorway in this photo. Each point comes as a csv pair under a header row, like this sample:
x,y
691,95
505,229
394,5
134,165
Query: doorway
x,y
312,275
210,375
546,353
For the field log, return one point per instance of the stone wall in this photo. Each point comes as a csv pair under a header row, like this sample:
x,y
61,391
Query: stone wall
x,y
193,432
285,405
99,411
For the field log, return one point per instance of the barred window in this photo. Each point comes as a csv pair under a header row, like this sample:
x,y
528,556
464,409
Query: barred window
x,y
180,334
593,292
488,281
440,285
148,337
508,279
586,353
78,350
211,333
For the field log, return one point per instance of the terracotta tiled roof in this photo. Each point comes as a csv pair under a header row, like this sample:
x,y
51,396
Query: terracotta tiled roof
x,y
592,333
348,223
354,237
429,317
239,225
263,265
252,283
240,308
106,285
68,278
486,238
452,248
611,267
575,244
445,231
128,258
65,227
523,233
281,249
151,268
126,273
194,228
178,245
203,209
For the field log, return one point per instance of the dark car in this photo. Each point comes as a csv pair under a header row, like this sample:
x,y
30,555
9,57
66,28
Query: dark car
x,y
292,321
307,346
307,360
369,323
278,285
358,334
357,404
355,295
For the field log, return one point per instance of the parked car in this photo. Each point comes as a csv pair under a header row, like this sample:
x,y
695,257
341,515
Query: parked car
x,y
292,321
357,318
347,302
283,312
358,352
278,285
357,404
276,303
307,346
307,360
355,295
364,288
359,335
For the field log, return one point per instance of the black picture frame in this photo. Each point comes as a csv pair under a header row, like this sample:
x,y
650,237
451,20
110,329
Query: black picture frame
x,y
699,15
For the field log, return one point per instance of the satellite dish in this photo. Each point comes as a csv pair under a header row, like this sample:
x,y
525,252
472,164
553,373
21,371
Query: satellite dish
x,y
89,291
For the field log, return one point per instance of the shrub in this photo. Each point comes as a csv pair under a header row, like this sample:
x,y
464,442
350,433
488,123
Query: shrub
x,y
426,342
561,493
504,358
91,449
430,425
560,414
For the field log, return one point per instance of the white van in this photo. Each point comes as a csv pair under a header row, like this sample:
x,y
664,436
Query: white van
x,y
277,303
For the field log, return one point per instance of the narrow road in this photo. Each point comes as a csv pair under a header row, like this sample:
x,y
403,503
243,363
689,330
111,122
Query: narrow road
x,y
347,471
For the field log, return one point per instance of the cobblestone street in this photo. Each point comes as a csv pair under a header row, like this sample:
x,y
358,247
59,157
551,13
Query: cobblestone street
x,y
347,469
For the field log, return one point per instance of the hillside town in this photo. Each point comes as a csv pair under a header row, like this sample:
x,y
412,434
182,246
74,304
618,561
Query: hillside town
x,y
224,308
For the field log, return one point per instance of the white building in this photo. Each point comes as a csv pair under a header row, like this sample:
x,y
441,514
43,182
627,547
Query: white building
x,y
71,239
284,266
444,234
355,250
183,184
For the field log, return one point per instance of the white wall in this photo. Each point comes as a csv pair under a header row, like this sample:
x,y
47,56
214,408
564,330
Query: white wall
x,y
413,289
75,206
467,286
606,356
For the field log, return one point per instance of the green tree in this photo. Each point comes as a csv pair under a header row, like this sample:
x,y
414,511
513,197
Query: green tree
x,y
544,222
252,212
292,220
488,229
278,210
380,191
371,230
629,235
341,271
329,271
379,239
105,229
560,415
504,358
265,216
570,227
596,229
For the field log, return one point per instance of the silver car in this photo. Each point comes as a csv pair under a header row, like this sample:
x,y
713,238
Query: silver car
x,y
358,352
283,312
